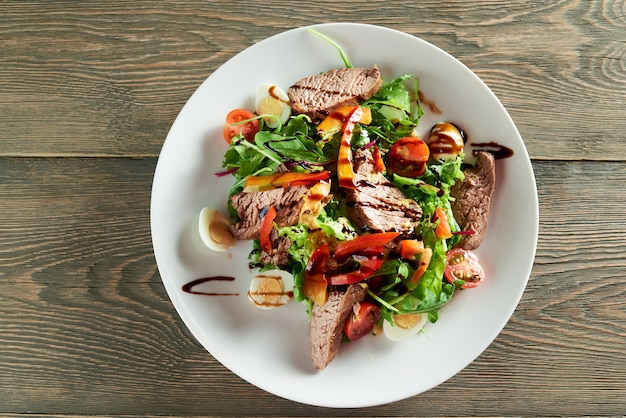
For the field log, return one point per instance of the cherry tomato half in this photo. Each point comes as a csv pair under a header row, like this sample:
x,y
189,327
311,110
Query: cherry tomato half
x,y
408,157
463,265
247,130
362,322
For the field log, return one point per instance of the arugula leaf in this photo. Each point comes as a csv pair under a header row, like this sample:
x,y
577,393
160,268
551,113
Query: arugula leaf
x,y
393,94
290,144
290,148
343,55
394,114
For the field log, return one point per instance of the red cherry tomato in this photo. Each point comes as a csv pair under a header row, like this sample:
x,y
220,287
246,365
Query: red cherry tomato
x,y
463,265
247,130
362,322
408,157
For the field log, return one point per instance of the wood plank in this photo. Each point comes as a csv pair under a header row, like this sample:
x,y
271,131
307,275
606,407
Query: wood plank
x,y
109,78
87,328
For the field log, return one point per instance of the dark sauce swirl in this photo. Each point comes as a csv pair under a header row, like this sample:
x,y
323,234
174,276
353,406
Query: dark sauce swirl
x,y
188,288
498,151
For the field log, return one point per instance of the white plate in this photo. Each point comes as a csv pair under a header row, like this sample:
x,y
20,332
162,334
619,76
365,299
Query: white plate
x,y
270,349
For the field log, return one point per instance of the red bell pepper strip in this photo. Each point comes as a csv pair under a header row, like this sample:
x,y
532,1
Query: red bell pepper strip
x,y
369,259
266,229
274,181
379,164
362,242
345,172
315,283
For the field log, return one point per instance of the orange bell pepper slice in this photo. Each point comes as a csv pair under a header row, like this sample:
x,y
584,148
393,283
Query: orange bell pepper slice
x,y
425,255
275,181
345,171
335,120
409,248
442,230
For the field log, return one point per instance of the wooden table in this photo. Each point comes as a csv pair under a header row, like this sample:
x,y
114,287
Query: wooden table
x,y
88,91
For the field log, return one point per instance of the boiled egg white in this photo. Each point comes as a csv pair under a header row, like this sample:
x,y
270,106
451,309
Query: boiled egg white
x,y
271,289
272,100
213,230
445,141
406,326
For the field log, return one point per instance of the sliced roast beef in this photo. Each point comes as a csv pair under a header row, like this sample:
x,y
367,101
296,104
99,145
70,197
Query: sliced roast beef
x,y
252,207
473,198
292,204
318,95
377,205
328,321
279,254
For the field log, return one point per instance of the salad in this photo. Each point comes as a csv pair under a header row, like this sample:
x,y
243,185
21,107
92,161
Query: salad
x,y
350,204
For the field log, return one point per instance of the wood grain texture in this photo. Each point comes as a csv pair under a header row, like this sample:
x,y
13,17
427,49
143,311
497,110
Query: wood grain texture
x,y
87,328
88,91
108,78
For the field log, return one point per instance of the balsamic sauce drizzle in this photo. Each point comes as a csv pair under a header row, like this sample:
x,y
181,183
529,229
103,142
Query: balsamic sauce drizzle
x,y
188,288
498,151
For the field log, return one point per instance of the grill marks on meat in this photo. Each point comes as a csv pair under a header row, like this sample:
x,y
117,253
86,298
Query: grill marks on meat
x,y
377,205
328,321
473,198
279,255
318,95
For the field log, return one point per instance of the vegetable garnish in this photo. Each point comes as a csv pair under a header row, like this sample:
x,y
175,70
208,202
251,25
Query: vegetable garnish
x,y
344,57
334,122
274,181
442,230
369,261
345,172
315,283
266,229
362,242
409,248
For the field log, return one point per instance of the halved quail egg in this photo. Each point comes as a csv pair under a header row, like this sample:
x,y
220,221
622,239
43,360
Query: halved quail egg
x,y
272,100
213,229
406,326
446,141
271,289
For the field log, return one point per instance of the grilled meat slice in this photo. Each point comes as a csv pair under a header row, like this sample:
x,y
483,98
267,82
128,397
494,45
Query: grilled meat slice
x,y
328,321
473,198
318,95
377,205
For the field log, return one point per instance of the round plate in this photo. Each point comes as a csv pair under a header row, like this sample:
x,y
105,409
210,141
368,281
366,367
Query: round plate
x,y
270,349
